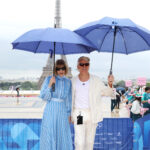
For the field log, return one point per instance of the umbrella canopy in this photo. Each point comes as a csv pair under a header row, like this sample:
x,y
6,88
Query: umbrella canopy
x,y
122,89
42,41
17,87
116,36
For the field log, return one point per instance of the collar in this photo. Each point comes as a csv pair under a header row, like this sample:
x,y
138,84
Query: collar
x,y
60,78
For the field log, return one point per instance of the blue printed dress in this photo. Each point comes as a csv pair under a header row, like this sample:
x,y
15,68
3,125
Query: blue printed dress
x,y
55,128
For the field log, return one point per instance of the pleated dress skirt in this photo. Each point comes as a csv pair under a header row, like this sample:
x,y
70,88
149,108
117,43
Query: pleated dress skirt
x,y
55,128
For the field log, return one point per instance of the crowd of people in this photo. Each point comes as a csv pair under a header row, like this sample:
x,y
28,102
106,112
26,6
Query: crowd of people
x,y
80,102
138,101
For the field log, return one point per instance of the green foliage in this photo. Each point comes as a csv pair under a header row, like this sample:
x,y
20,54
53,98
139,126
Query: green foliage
x,y
121,83
148,84
27,85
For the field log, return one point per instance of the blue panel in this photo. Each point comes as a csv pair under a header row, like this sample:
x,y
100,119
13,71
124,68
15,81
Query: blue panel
x,y
142,133
114,134
24,134
19,134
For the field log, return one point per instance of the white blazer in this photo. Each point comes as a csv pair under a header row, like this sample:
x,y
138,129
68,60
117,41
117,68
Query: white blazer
x,y
97,89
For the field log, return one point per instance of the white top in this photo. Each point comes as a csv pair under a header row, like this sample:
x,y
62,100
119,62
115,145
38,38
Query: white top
x,y
97,89
114,93
82,94
135,107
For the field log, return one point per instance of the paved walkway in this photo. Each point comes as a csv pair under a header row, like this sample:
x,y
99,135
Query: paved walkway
x,y
33,107
25,108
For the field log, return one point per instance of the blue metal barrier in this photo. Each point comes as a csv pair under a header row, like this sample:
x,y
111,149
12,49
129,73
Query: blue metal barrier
x,y
24,134
114,134
142,133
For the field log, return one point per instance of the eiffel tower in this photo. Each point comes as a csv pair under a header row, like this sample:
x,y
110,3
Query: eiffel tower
x,y
48,69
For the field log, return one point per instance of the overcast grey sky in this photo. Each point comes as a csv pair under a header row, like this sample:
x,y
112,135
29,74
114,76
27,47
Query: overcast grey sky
x,y
19,16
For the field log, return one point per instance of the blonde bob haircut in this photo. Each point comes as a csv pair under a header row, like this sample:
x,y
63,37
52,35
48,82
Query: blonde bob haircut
x,y
60,63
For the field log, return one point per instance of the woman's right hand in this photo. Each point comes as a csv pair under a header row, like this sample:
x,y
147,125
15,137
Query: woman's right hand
x,y
52,81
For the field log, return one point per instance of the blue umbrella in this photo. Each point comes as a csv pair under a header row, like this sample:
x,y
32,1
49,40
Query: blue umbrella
x,y
122,89
116,36
42,41
53,41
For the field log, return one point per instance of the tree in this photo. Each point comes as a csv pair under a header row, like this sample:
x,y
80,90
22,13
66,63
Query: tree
x,y
121,83
148,84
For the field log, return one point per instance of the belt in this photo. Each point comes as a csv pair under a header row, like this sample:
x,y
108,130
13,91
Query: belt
x,y
57,100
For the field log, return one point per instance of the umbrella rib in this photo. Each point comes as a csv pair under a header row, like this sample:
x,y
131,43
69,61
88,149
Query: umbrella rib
x,y
123,40
104,39
63,48
141,37
37,47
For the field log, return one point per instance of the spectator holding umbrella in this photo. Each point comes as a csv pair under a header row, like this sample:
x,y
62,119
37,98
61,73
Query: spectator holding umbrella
x,y
17,90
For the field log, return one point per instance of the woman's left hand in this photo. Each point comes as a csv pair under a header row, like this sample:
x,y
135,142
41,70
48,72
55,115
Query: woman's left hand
x,y
69,119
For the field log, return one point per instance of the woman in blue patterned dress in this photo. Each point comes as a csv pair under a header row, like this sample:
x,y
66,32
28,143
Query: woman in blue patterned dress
x,y
55,128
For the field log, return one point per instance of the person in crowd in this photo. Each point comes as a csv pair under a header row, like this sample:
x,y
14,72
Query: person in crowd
x,y
142,90
127,94
18,94
131,98
55,128
87,90
135,109
17,89
145,98
118,99
113,99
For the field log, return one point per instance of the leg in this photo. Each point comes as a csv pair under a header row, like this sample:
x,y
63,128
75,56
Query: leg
x,y
113,104
90,130
79,137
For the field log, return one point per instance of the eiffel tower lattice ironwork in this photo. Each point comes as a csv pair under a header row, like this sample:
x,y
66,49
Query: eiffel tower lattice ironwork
x,y
48,69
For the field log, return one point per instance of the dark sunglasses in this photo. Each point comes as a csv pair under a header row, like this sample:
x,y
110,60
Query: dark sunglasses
x,y
58,69
82,64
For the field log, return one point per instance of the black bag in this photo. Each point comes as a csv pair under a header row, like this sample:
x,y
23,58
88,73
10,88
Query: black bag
x,y
79,120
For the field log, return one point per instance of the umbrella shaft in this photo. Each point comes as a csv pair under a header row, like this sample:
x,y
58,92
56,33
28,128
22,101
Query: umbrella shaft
x,y
53,86
112,57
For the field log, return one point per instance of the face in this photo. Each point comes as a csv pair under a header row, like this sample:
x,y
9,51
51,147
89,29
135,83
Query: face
x,y
148,91
61,70
83,66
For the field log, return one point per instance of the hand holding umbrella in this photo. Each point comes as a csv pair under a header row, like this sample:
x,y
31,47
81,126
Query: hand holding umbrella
x,y
52,82
110,80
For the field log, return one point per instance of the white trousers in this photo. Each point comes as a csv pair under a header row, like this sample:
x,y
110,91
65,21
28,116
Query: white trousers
x,y
84,133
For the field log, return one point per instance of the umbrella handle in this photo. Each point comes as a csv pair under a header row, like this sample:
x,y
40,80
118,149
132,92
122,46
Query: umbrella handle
x,y
53,87
110,73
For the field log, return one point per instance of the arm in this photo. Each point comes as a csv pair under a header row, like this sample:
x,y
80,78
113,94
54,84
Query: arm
x,y
144,98
46,91
108,91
